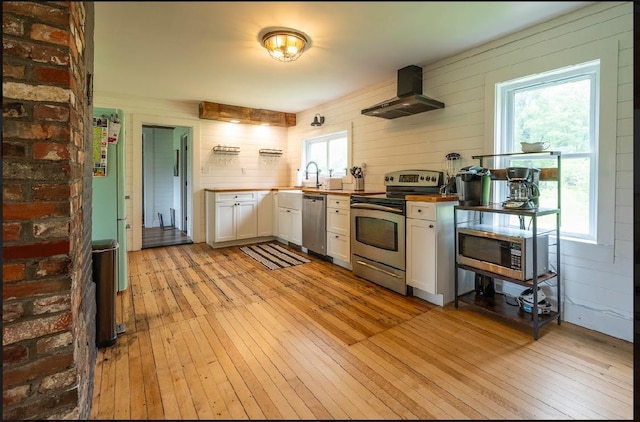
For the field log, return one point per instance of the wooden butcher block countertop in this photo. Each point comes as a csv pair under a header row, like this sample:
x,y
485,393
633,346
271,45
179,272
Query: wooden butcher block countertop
x,y
436,197
344,192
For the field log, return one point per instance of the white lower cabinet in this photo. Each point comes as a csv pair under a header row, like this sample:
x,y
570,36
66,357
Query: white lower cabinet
x,y
290,216
230,216
290,225
430,250
339,229
265,213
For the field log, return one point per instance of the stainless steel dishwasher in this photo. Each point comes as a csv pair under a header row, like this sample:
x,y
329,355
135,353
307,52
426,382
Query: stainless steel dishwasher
x,y
314,223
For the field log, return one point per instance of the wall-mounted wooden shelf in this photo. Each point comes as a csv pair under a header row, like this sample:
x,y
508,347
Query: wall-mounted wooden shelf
x,y
223,149
252,116
270,152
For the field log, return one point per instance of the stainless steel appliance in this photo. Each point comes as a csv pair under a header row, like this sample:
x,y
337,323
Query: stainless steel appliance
x,y
502,250
378,224
314,223
523,188
473,185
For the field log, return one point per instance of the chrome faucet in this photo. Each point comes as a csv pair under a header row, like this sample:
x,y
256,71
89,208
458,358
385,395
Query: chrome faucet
x,y
306,172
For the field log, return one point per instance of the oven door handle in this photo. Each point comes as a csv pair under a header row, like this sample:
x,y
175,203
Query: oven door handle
x,y
376,208
389,273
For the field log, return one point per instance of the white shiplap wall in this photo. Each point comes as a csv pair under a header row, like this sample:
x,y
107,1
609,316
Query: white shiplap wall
x,y
597,279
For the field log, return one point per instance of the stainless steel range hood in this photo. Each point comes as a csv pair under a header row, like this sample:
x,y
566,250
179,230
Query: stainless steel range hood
x,y
409,101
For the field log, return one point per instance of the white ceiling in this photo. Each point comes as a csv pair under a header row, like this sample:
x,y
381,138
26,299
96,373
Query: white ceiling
x,y
210,51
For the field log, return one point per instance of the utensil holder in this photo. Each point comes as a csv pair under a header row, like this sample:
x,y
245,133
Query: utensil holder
x,y
358,183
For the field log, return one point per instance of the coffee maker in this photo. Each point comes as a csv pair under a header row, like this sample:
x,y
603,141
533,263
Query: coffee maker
x,y
523,188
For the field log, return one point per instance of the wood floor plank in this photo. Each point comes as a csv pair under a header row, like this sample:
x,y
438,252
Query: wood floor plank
x,y
168,395
121,385
136,379
233,373
212,334
194,389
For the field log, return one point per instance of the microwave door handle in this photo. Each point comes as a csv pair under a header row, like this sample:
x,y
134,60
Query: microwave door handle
x,y
376,208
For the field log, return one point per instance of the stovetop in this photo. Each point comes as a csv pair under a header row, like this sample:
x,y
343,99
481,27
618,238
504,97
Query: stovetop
x,y
405,182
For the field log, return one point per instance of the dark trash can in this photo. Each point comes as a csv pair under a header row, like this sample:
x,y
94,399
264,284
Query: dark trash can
x,y
105,272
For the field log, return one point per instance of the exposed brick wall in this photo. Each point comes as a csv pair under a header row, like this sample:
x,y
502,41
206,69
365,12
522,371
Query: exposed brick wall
x,y
48,295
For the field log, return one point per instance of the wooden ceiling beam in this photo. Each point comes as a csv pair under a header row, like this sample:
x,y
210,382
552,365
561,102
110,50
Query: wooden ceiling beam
x,y
252,116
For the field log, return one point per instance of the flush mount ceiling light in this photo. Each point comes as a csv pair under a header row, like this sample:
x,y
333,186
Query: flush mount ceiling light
x,y
318,120
285,45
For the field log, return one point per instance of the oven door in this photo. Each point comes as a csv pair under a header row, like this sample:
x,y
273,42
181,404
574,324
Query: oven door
x,y
378,234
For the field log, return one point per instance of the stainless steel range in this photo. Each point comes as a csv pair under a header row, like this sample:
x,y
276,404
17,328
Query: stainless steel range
x,y
378,227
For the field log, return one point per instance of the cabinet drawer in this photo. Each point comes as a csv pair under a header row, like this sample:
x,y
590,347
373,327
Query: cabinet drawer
x,y
338,221
235,196
338,201
421,210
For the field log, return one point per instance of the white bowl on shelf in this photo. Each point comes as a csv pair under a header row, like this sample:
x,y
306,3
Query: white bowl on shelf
x,y
533,146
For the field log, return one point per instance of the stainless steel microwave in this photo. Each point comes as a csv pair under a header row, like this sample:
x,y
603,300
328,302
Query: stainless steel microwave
x,y
502,250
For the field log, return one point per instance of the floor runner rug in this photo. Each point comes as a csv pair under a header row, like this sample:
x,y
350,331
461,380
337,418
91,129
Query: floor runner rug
x,y
273,255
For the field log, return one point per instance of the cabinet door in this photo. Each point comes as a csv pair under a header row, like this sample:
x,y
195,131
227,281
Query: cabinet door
x,y
338,247
284,223
265,214
246,220
421,255
296,227
338,221
225,221
209,219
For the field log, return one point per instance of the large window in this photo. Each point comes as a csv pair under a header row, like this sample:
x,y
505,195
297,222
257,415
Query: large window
x,y
329,152
559,109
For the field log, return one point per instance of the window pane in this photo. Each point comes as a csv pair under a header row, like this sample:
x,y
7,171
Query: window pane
x,y
318,152
558,115
338,156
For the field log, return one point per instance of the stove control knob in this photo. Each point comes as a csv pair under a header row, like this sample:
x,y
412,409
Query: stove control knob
x,y
422,178
391,178
386,178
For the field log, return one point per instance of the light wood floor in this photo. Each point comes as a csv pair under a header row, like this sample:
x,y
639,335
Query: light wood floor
x,y
212,334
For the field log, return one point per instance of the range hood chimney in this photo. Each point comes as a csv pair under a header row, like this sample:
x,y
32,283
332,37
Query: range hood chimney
x,y
409,101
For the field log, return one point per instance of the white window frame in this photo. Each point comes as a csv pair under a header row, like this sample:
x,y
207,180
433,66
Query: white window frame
x,y
607,52
506,144
327,138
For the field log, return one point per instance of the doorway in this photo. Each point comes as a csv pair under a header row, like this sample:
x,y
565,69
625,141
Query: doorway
x,y
165,182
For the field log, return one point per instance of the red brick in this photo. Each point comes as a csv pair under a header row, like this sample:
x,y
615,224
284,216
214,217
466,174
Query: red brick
x,y
58,406
51,229
12,71
34,210
49,34
50,112
13,272
57,341
34,328
50,151
14,150
35,369
33,288
51,267
14,354
51,304
36,131
49,192
52,75
15,395
12,25
11,231
35,52
12,311
13,110
37,11
59,381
